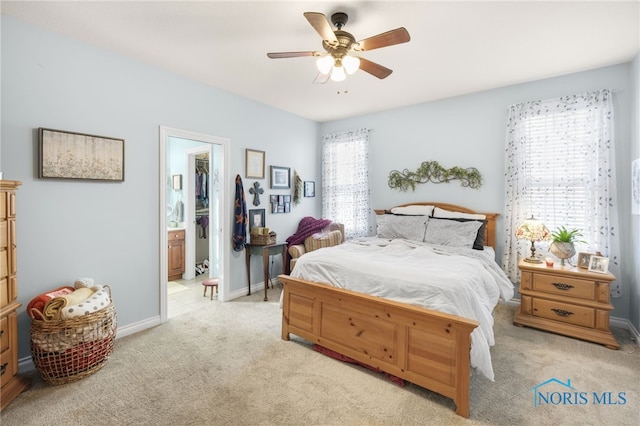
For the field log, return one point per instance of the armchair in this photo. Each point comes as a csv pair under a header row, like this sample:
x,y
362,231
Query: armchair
x,y
332,235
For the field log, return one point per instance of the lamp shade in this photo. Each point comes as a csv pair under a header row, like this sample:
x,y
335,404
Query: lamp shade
x,y
533,230
337,74
324,64
350,64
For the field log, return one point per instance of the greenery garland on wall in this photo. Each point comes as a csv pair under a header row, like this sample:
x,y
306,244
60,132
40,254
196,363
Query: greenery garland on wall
x,y
431,171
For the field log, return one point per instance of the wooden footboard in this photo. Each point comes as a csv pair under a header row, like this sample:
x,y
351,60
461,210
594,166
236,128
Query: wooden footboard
x,y
425,347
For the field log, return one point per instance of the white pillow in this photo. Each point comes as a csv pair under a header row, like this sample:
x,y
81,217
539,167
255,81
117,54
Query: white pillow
x,y
452,233
413,210
438,212
408,227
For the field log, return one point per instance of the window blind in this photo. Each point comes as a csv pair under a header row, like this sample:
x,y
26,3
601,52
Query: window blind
x,y
558,156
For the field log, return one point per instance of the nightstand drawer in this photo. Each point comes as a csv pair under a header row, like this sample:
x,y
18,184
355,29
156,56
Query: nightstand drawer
x,y
564,312
8,366
4,334
565,286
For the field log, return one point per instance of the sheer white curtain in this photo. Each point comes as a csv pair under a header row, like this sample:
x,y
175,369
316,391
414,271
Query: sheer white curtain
x,y
559,167
345,181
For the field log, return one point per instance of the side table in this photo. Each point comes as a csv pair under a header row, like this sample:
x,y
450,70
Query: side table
x,y
566,300
266,251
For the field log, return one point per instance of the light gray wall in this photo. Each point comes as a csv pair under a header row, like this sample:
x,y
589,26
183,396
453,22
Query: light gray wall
x,y
68,229
469,131
110,231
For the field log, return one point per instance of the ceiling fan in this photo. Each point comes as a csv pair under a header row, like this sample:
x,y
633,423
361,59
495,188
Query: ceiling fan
x,y
341,48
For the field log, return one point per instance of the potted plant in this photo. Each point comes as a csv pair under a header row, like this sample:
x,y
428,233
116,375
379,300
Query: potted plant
x,y
563,243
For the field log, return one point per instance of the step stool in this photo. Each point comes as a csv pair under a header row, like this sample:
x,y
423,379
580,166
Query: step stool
x,y
210,283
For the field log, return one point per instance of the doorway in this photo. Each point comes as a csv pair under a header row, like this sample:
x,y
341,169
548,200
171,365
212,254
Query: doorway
x,y
180,151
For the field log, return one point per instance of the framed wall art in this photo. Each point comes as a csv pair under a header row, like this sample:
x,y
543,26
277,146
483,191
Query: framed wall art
x,y
256,219
309,188
71,155
176,182
254,164
280,203
280,177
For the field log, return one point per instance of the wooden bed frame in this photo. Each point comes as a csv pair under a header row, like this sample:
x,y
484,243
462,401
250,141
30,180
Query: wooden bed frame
x,y
422,346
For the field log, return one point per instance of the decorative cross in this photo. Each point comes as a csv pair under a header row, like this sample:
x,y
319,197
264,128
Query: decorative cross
x,y
256,191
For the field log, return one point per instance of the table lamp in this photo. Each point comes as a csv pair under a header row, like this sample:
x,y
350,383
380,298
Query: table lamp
x,y
533,230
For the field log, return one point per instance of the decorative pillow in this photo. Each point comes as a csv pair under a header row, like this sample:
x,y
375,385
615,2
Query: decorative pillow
x,y
452,232
438,212
478,243
396,226
413,210
333,238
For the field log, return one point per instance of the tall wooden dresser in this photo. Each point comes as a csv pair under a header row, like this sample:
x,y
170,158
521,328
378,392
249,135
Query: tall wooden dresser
x,y
11,384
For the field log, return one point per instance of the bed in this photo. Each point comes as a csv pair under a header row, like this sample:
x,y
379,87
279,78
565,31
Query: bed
x,y
426,341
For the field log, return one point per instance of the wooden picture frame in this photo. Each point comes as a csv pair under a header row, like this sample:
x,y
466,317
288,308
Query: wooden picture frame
x,y
583,260
599,264
71,155
254,164
280,203
257,219
309,188
280,177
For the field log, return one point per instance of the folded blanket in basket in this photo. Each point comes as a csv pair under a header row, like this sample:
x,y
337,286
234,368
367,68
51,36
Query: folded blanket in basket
x,y
53,308
83,282
100,299
40,301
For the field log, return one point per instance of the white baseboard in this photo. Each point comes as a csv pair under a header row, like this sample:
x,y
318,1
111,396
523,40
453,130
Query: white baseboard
x,y
26,364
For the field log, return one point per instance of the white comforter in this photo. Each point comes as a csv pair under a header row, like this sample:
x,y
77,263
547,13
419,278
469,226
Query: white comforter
x,y
458,281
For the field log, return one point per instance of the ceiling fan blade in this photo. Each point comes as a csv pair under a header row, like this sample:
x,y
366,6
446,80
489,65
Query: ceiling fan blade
x,y
321,78
397,36
278,55
319,22
374,69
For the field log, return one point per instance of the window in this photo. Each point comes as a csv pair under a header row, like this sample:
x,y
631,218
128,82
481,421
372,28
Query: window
x,y
345,181
559,168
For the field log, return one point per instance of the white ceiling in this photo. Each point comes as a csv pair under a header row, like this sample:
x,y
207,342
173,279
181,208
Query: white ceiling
x,y
455,48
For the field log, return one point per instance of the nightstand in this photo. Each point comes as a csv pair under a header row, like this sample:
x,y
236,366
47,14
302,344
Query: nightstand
x,y
566,300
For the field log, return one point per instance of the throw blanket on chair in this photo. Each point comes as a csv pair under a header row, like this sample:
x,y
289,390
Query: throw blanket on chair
x,y
240,214
307,227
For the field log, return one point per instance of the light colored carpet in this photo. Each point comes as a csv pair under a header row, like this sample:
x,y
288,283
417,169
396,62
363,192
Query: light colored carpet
x,y
174,287
226,365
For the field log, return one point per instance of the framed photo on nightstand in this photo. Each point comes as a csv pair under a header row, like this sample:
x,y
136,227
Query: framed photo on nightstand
x,y
599,264
583,260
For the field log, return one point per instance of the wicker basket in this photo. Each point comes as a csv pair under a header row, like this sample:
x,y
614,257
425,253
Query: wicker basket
x,y
263,240
69,350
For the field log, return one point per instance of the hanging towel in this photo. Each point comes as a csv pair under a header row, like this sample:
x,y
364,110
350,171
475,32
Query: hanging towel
x,y
240,217
203,221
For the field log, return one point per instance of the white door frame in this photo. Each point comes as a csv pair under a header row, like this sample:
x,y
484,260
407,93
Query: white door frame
x,y
190,212
224,241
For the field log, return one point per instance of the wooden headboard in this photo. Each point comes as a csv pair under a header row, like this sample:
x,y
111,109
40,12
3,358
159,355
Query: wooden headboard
x,y
489,230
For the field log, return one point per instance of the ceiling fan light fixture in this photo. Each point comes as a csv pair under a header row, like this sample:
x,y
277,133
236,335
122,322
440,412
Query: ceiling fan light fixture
x,y
350,64
324,64
338,74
